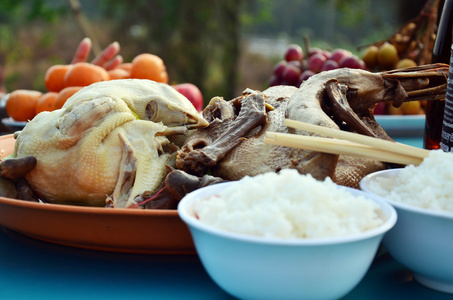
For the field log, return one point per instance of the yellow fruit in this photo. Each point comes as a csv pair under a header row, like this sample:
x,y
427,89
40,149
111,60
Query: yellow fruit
x,y
387,56
370,56
394,110
411,107
405,63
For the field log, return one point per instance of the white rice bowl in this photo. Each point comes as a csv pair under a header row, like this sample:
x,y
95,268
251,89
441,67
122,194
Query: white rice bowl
x,y
428,185
288,205
421,238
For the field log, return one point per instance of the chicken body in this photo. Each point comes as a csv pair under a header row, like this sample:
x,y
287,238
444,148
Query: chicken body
x,y
107,142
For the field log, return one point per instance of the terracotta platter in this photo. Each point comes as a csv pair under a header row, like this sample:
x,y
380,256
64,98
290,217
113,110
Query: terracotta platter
x,y
119,230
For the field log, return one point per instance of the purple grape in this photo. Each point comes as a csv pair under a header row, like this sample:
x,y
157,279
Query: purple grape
x,y
315,62
294,52
304,76
297,64
291,74
313,51
329,65
326,54
352,62
275,80
338,54
279,67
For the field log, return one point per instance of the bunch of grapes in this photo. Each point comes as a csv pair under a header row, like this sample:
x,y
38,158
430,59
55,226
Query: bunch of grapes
x,y
295,68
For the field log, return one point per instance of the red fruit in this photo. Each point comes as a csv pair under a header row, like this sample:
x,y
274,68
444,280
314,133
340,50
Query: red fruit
x,y
279,67
329,65
294,52
304,76
326,54
296,63
313,51
338,54
291,74
275,80
191,92
352,62
379,109
315,62
362,65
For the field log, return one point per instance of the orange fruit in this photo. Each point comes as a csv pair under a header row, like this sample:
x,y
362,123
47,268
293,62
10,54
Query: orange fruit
x,y
21,104
149,66
83,74
46,102
125,66
118,73
64,94
54,77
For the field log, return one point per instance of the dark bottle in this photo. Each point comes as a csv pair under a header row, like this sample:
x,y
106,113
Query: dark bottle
x,y
446,141
441,54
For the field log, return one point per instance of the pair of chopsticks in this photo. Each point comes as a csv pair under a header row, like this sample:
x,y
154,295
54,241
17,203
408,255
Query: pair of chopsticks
x,y
346,143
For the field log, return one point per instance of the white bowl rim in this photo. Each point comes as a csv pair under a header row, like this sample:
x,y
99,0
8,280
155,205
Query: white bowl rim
x,y
193,222
400,205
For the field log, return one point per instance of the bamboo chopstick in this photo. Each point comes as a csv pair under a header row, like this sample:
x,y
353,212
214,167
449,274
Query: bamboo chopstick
x,y
359,138
335,146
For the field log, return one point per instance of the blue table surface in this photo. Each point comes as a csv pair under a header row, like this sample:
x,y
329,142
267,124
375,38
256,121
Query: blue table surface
x,y
411,141
32,269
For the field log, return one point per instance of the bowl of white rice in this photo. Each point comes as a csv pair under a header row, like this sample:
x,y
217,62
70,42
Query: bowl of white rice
x,y
422,238
286,235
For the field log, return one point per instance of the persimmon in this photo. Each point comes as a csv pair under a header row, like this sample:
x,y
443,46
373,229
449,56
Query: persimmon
x,y
118,73
21,104
54,77
46,102
149,66
84,74
64,95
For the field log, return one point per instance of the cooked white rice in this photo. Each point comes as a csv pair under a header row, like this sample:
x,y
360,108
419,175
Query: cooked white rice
x,y
288,205
428,185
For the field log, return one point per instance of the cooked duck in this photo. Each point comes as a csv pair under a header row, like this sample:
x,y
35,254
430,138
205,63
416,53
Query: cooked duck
x,y
232,145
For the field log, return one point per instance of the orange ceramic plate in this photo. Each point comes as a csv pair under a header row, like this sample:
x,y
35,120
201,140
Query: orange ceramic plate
x,y
119,230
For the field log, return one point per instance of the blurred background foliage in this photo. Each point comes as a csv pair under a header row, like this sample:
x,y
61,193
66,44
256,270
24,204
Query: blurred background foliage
x,y
222,47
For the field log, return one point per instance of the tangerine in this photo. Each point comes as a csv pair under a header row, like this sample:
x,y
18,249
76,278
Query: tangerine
x,y
125,66
149,66
46,102
64,95
118,73
54,77
21,104
84,74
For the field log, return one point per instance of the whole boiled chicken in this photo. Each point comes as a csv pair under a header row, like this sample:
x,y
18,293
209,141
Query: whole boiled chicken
x,y
108,145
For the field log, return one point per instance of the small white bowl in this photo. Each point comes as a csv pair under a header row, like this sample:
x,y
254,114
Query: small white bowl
x,y
250,267
421,240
